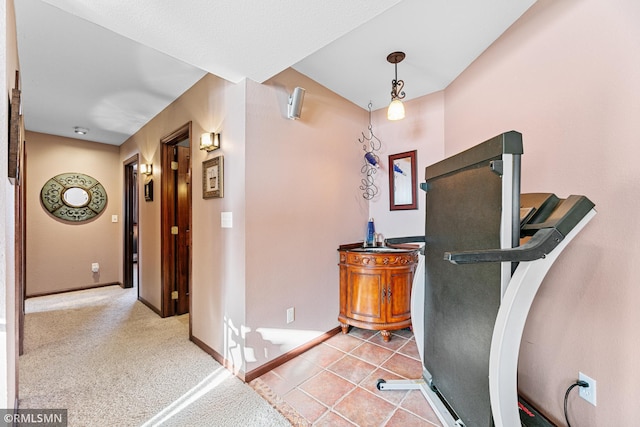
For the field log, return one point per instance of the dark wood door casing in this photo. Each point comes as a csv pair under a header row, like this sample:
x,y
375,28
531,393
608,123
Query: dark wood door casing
x,y
176,212
130,195
183,222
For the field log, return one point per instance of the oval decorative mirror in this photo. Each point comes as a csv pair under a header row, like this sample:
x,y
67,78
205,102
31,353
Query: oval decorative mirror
x,y
73,197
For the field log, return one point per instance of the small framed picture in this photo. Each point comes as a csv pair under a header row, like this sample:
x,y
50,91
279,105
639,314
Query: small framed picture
x,y
213,178
148,191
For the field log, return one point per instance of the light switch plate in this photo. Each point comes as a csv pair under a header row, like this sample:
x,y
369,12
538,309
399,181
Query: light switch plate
x,y
114,218
226,219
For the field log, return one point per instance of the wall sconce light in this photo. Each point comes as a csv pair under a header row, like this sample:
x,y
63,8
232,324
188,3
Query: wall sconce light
x,y
396,108
146,168
209,141
294,107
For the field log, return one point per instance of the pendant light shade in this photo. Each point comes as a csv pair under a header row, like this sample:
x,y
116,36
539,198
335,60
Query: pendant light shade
x,y
396,108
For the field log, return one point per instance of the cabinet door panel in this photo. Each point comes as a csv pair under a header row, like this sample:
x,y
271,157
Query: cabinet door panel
x,y
399,303
365,296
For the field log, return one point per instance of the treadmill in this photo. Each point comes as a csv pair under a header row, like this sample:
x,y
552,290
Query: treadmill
x,y
487,249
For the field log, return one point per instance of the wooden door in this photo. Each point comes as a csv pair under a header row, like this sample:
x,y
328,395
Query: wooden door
x,y
183,221
129,221
176,221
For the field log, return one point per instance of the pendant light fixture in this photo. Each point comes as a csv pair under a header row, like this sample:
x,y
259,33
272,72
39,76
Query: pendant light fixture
x,y
396,108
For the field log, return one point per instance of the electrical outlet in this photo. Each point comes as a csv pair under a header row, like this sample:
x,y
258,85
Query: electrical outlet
x,y
588,393
291,315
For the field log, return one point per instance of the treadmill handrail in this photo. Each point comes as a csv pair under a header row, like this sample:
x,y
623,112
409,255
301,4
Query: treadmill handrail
x,y
400,240
408,239
542,243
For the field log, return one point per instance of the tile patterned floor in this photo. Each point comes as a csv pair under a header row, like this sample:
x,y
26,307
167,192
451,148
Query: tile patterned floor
x,y
334,383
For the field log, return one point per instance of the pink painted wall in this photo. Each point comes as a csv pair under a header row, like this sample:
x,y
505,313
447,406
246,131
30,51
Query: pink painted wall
x,y
421,130
566,76
302,203
60,253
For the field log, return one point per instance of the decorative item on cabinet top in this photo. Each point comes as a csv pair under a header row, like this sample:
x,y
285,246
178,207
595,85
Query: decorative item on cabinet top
x,y
73,197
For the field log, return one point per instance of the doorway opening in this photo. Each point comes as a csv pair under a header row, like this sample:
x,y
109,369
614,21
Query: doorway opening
x,y
130,252
176,221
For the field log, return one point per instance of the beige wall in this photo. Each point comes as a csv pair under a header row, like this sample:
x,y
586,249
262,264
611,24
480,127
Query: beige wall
x,y
291,189
203,105
60,253
8,349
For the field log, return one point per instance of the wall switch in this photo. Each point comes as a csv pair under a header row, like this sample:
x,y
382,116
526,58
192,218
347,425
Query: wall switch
x,y
95,267
226,219
588,393
291,315
114,218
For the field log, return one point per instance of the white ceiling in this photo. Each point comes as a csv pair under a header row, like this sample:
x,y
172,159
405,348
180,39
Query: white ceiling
x,y
112,65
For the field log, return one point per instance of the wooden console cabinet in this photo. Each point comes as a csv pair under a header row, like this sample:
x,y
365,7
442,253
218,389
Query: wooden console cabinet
x,y
375,289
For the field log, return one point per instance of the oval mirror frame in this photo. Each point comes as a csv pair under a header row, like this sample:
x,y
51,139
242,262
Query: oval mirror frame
x,y
73,197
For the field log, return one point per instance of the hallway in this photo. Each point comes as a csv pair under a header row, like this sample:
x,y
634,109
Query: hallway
x,y
110,361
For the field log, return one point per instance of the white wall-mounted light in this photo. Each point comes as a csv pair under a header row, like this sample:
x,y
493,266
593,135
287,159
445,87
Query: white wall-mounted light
x,y
146,168
396,108
294,107
209,141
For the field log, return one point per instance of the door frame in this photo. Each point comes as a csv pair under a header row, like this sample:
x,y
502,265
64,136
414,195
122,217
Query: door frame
x,y
21,250
131,199
167,213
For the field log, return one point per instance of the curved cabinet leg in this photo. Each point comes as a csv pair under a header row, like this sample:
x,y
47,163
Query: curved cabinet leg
x,y
345,327
386,335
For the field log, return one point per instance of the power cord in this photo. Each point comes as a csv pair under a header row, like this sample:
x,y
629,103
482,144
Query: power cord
x,y
579,383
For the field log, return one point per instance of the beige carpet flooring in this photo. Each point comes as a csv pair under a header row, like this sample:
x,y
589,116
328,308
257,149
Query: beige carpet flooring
x,y
110,361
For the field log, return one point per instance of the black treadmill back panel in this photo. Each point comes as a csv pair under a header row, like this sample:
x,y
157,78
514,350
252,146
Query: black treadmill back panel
x,y
464,208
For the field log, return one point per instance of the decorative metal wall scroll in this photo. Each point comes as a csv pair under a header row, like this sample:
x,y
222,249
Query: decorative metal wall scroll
x,y
73,197
370,144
